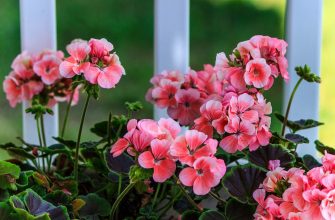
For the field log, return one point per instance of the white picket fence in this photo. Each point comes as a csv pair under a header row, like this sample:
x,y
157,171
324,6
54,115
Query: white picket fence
x,y
303,34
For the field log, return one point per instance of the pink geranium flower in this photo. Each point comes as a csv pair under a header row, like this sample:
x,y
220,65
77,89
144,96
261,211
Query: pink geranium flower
x,y
192,145
165,128
205,174
23,65
188,106
18,90
159,159
241,107
76,64
99,48
48,67
106,76
134,141
212,116
241,135
327,206
164,94
258,73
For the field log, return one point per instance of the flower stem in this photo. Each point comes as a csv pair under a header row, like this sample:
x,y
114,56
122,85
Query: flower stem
x,y
217,197
76,158
40,141
68,107
48,158
155,197
289,105
169,204
119,199
190,200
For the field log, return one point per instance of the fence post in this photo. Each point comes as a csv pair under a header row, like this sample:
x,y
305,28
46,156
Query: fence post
x,y
38,32
303,34
171,38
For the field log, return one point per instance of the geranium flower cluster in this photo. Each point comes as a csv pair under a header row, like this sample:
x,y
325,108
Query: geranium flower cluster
x,y
226,100
38,74
157,146
94,60
297,195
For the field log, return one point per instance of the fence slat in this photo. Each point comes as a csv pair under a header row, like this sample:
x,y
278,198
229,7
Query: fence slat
x,y
38,32
171,38
303,33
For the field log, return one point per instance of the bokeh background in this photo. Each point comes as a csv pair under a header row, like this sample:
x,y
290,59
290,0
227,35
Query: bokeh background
x,y
215,25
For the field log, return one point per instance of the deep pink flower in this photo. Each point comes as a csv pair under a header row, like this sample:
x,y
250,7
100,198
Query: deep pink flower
x,y
48,68
205,174
192,145
258,73
99,48
159,159
76,64
188,106
241,134
212,116
134,141
164,95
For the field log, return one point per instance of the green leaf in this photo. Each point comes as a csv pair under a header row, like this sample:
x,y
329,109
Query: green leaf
x,y
322,148
300,124
310,162
305,73
263,155
190,215
30,206
23,180
120,164
94,206
241,181
7,212
20,152
297,138
134,106
211,215
8,174
239,211
69,143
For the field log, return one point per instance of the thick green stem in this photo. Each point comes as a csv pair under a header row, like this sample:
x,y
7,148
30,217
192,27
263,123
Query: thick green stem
x,y
40,141
76,157
190,200
119,199
68,107
289,105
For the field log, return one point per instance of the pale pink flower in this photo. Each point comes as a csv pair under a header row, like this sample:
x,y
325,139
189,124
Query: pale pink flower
x,y
328,162
273,177
188,106
192,145
258,73
159,159
76,64
273,164
314,198
23,65
205,174
48,68
165,128
328,207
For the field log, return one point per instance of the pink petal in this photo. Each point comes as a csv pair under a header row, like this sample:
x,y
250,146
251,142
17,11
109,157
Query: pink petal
x,y
245,101
110,77
164,170
195,138
91,74
187,176
66,69
229,143
119,147
203,184
146,160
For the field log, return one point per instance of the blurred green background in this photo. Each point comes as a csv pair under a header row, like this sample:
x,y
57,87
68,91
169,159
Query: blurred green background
x,y
215,25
